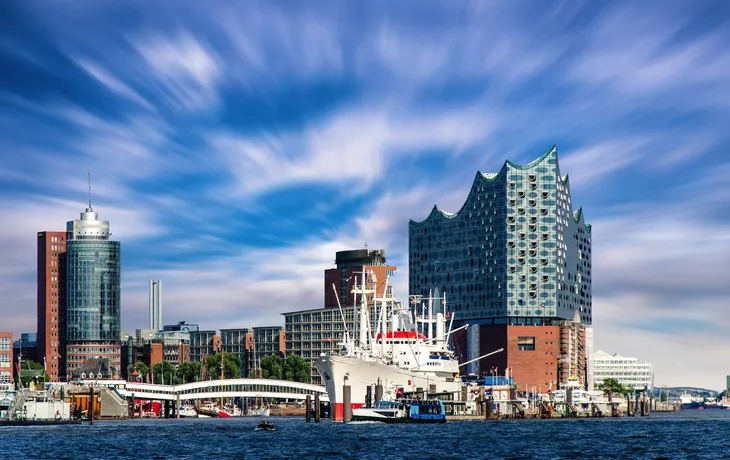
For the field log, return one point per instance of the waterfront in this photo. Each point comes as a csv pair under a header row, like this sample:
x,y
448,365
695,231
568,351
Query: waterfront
x,y
696,434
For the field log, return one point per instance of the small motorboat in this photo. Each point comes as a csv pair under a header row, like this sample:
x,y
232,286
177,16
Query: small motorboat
x,y
265,426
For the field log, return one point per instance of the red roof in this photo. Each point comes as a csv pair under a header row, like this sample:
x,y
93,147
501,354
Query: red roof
x,y
402,335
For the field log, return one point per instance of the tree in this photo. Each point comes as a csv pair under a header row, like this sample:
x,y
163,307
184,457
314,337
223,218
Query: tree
x,y
140,367
164,373
272,367
611,386
231,363
189,371
296,369
31,371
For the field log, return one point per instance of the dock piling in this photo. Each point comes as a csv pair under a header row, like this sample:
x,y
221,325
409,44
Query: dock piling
x,y
346,407
316,408
91,405
379,391
308,411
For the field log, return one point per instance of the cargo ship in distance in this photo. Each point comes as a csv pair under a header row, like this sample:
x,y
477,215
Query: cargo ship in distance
x,y
406,354
689,402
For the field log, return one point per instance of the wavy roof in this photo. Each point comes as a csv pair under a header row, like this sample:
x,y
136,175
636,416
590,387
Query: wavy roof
x,y
491,177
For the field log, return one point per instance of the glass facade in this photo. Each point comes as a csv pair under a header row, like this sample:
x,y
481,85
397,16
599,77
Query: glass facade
x,y
93,277
516,252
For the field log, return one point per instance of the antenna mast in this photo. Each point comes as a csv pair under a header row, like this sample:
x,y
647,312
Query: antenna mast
x,y
88,175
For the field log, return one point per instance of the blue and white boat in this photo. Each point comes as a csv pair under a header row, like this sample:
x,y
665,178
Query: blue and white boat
x,y
402,411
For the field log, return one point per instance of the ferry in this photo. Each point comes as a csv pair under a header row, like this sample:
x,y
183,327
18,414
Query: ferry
x,y
407,353
402,411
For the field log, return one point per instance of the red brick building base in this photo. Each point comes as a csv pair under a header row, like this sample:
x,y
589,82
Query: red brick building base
x,y
532,353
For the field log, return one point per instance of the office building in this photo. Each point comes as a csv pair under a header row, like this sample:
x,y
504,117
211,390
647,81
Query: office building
x,y
239,342
51,304
6,361
155,305
202,344
93,294
339,281
515,261
181,326
268,340
627,371
309,333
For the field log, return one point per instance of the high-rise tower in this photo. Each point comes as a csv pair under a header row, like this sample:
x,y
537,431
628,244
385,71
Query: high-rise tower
x,y
156,305
93,280
51,302
515,258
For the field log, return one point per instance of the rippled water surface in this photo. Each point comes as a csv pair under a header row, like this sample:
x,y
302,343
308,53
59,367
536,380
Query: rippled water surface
x,y
699,434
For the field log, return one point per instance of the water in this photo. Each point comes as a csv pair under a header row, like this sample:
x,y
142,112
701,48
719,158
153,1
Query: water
x,y
698,434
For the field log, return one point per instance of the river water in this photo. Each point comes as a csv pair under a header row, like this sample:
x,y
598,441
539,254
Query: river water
x,y
696,434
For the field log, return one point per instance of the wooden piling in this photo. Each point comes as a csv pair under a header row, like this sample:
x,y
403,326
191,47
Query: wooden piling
x,y
308,412
91,405
316,408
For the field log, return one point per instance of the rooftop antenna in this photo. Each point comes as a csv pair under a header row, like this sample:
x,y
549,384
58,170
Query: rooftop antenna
x,y
88,174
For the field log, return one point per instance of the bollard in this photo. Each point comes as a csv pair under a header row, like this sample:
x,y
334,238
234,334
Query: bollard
x,y
308,407
379,391
316,408
346,407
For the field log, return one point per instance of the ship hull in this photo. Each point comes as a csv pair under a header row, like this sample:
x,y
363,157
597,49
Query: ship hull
x,y
691,406
360,374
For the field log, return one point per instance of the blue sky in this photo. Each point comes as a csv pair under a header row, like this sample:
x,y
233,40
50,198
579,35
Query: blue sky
x,y
234,148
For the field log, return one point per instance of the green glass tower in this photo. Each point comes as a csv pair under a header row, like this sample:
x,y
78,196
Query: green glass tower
x,y
93,294
516,253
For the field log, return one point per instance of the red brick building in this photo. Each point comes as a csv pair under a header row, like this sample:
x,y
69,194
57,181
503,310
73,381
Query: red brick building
x,y
51,302
538,357
6,360
350,266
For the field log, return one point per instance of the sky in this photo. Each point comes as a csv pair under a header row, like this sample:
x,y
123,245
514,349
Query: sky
x,y
236,146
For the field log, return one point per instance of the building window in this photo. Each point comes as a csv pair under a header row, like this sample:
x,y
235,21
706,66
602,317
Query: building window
x,y
526,343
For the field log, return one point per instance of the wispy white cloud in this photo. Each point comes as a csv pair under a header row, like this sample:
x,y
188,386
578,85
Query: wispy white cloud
x,y
589,164
353,147
187,69
104,77
641,55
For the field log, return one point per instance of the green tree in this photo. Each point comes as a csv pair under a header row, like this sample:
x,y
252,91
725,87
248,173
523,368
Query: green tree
x,y
164,373
189,371
231,363
611,387
139,367
296,369
272,367
31,371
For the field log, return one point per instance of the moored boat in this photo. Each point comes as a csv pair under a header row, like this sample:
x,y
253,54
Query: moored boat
x,y
407,354
402,411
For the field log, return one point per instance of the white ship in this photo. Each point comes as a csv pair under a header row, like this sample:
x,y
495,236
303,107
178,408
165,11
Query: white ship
x,y
403,354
